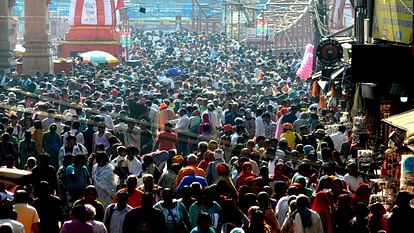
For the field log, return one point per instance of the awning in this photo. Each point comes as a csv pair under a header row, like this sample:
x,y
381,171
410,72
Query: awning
x,y
403,121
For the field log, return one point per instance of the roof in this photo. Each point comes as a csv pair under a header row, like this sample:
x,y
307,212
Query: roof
x,y
403,121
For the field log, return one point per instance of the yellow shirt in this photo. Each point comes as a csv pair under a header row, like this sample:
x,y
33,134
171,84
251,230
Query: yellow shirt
x,y
37,135
27,215
291,138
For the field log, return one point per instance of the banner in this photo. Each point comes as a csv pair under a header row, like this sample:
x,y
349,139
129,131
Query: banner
x,y
89,13
407,172
109,11
72,10
261,27
393,20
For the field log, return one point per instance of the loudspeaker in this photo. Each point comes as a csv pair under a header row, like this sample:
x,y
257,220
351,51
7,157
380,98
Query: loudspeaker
x,y
142,9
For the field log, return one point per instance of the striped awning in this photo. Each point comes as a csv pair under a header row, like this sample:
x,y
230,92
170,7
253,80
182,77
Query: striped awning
x,y
403,121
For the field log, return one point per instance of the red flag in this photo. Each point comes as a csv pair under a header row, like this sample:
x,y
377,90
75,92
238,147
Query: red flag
x,y
119,5
121,8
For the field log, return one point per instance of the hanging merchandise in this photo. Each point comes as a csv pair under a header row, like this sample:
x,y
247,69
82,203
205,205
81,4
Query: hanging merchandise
x,y
357,104
315,89
359,127
305,70
322,102
407,173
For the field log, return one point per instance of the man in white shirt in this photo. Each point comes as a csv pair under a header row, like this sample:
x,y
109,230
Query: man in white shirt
x,y
128,132
181,128
134,165
236,135
339,137
74,131
260,127
353,178
109,122
115,213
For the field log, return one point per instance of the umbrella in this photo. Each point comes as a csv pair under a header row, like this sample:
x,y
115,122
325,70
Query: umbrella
x,y
19,50
16,176
99,57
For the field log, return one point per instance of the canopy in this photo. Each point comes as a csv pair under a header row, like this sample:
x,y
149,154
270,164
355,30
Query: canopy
x,y
99,57
16,176
403,121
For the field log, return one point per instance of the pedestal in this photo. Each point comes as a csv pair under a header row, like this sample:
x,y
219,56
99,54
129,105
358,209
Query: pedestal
x,y
74,48
36,39
6,60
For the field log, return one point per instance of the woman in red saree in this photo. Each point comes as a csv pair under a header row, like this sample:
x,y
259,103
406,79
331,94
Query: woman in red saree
x,y
245,173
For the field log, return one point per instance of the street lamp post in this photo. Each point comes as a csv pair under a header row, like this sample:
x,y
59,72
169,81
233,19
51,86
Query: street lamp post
x,y
126,29
263,29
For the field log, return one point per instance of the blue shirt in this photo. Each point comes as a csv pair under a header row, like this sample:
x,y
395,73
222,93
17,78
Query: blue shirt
x,y
77,183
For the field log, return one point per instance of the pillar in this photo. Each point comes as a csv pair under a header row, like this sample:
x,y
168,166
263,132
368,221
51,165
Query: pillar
x,y
6,60
36,38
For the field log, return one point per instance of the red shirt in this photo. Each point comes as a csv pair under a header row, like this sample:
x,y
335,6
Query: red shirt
x,y
167,140
134,198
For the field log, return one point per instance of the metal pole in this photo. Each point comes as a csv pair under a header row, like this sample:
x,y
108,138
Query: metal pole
x,y
231,21
321,11
127,38
206,25
199,18
225,18
238,23
193,15
263,36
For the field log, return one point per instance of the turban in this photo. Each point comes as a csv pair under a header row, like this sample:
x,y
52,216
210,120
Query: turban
x,y
177,159
163,106
222,168
228,128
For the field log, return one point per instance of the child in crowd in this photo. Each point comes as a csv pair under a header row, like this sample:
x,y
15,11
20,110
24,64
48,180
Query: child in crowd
x,y
121,166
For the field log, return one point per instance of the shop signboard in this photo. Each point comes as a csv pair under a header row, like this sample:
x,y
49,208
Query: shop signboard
x,y
407,172
393,20
261,27
125,38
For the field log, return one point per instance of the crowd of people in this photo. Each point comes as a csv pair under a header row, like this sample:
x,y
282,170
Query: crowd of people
x,y
201,134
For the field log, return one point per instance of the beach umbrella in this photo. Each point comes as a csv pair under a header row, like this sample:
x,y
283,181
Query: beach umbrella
x,y
99,57
19,50
16,176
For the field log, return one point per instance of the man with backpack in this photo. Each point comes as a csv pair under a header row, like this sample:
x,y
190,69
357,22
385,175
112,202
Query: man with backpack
x,y
71,147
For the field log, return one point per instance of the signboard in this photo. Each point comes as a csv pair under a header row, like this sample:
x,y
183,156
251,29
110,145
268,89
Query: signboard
x,y
125,38
261,27
393,20
329,51
89,13
407,172
251,33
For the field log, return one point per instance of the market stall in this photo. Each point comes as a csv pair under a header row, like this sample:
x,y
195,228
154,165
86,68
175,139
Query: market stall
x,y
397,170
